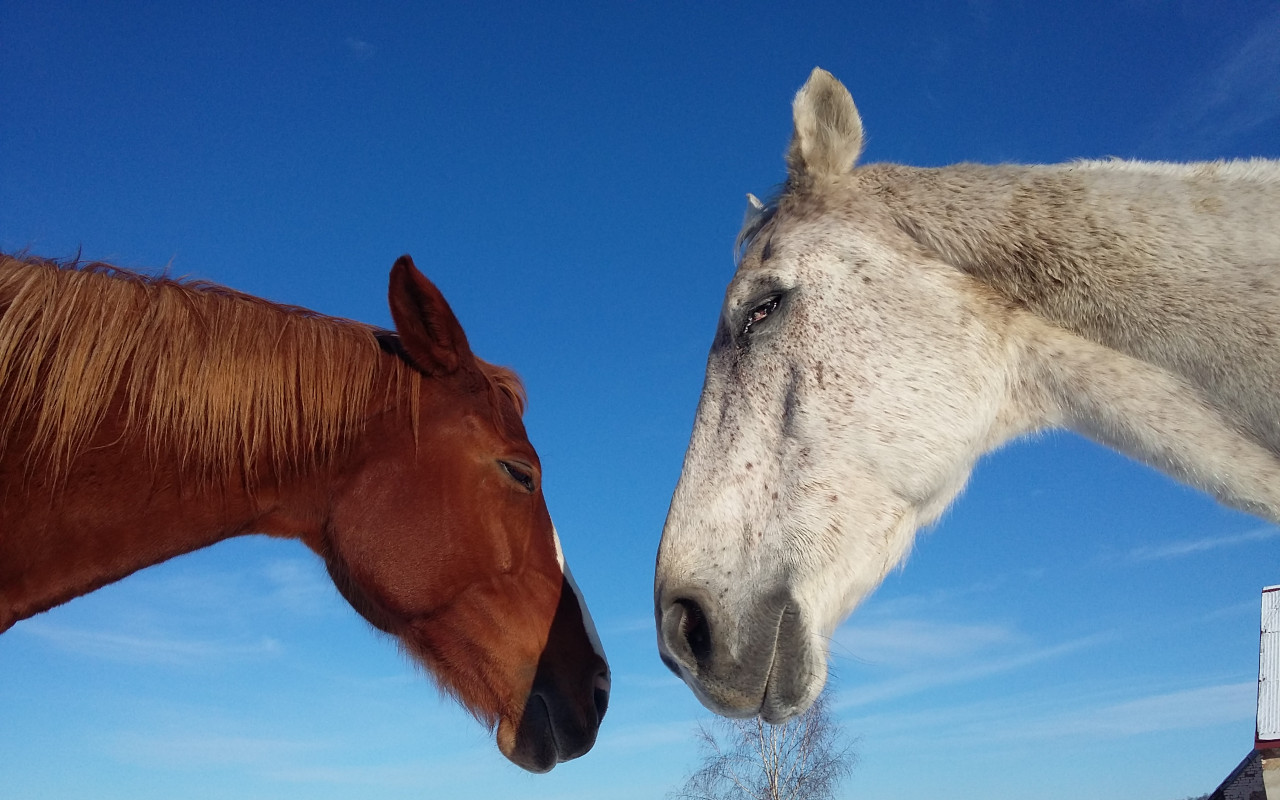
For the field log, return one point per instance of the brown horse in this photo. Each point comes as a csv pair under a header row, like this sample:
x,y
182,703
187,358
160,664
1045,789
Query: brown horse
x,y
142,418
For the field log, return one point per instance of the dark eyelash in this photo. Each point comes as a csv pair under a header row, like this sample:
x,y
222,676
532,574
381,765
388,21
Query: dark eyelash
x,y
520,476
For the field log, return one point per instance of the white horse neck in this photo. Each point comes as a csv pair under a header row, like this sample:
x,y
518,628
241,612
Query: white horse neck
x,y
1154,299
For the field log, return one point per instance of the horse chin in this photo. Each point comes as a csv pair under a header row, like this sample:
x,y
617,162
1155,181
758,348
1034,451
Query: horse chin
x,y
795,680
530,742
793,684
797,674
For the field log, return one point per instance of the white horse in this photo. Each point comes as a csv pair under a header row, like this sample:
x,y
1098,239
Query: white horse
x,y
888,325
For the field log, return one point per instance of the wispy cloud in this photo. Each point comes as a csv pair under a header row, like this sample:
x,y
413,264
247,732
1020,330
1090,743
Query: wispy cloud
x,y
1182,710
1023,719
418,775
1238,96
348,765
135,648
177,594
946,673
207,749
928,601
1188,547
299,585
911,641
645,736
359,48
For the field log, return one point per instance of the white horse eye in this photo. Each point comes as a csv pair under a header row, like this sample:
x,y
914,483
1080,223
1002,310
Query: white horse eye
x,y
761,312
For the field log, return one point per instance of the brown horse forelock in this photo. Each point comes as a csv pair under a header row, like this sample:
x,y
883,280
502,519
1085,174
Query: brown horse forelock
x,y
228,380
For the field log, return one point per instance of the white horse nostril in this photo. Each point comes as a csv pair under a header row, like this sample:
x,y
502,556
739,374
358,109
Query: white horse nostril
x,y
695,631
686,635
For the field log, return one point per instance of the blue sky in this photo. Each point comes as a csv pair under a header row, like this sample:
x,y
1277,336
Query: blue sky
x,y
573,178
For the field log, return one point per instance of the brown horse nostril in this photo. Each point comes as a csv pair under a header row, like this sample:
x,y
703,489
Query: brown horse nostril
x,y
601,694
602,703
695,630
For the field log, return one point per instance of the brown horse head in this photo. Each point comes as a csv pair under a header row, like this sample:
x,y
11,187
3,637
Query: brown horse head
x,y
144,417
439,535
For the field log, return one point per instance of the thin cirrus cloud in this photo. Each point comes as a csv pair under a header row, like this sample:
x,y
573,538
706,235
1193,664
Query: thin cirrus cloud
x,y
906,641
1237,97
941,673
291,586
359,48
639,737
299,585
1016,721
1180,710
206,749
154,649
1189,547
419,776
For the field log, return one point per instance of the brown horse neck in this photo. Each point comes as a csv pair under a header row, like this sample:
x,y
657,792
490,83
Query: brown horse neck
x,y
122,506
115,520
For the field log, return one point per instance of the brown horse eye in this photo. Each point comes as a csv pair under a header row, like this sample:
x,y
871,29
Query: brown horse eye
x,y
519,475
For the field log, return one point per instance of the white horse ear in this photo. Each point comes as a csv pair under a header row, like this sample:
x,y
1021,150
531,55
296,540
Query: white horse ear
x,y
828,133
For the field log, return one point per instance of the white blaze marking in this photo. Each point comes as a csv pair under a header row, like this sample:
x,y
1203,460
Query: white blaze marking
x,y
587,622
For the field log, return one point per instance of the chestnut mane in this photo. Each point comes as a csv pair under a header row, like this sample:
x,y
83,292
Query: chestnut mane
x,y
229,381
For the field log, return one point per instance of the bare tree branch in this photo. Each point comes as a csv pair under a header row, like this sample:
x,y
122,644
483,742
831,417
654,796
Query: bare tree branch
x,y
805,758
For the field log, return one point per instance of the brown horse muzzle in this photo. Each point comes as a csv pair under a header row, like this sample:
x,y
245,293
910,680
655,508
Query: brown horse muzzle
x,y
568,698
555,728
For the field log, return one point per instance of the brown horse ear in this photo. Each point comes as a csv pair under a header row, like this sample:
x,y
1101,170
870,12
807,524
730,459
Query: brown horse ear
x,y
428,330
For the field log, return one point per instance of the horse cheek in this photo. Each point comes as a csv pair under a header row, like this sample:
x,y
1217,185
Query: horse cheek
x,y
387,539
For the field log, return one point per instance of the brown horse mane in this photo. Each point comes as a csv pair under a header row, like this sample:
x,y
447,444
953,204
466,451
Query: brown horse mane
x,y
226,381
